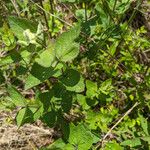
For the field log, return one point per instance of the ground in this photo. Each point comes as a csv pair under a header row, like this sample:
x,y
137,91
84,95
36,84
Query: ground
x,y
27,137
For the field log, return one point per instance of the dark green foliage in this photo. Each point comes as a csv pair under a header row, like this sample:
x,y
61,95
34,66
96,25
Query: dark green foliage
x,y
79,67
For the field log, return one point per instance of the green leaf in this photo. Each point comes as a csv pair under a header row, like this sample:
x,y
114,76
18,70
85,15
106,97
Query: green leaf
x,y
122,6
20,118
49,118
80,13
106,87
144,124
16,96
66,47
132,143
59,89
73,81
7,37
79,87
26,115
19,25
70,78
69,147
91,89
81,99
57,145
113,146
11,58
80,137
146,138
35,114
103,14
38,75
44,100
47,57
66,102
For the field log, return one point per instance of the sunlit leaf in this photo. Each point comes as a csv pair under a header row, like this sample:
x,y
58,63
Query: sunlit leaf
x,y
17,98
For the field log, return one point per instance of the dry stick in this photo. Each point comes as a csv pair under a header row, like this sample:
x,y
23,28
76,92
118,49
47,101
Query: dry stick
x,y
44,131
69,10
107,134
16,7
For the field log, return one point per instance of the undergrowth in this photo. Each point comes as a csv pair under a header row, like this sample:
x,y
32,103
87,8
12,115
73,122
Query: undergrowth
x,y
79,66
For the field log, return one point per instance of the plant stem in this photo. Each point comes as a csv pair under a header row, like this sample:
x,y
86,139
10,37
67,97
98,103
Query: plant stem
x,y
85,11
45,18
52,12
114,7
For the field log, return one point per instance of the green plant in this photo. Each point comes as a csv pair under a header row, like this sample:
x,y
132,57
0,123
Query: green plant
x,y
80,70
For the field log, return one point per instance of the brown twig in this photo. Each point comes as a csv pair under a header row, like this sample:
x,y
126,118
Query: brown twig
x,y
16,7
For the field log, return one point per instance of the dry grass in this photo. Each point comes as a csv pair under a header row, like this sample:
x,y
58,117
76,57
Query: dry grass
x,y
28,137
